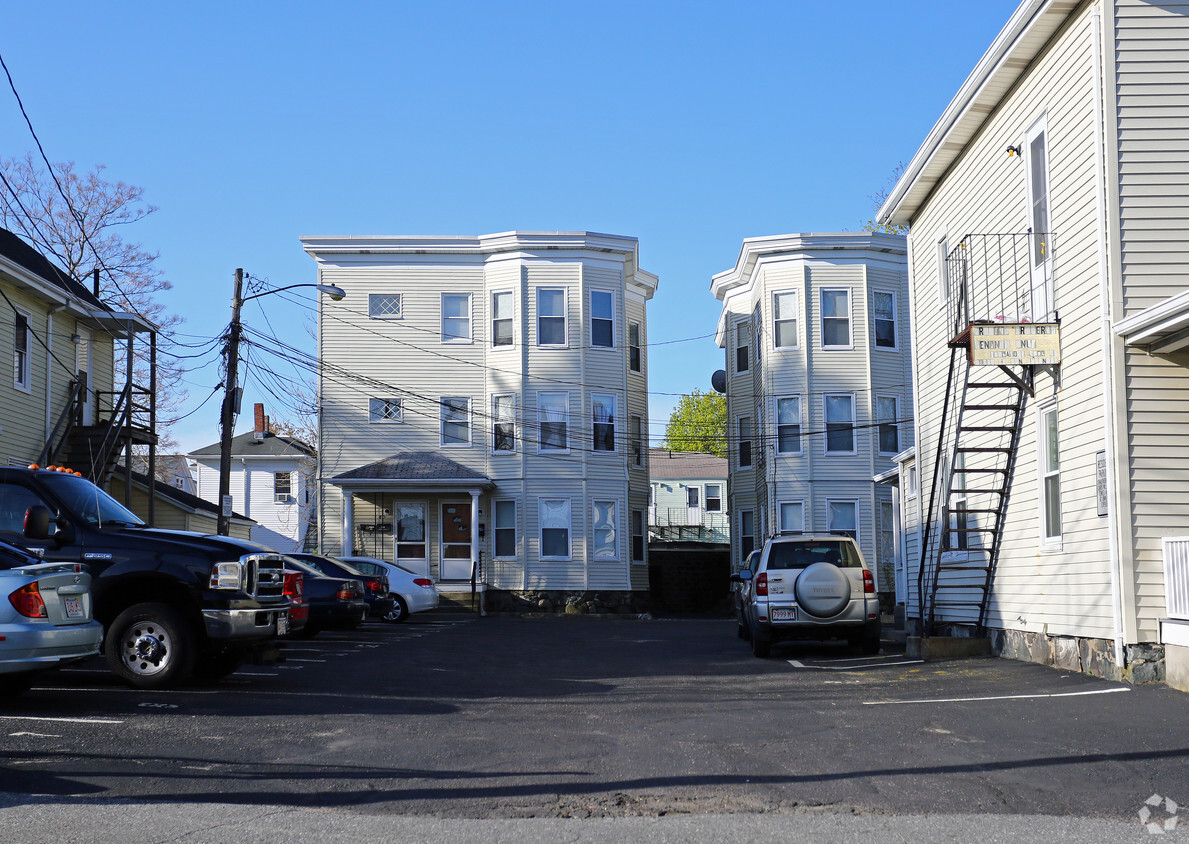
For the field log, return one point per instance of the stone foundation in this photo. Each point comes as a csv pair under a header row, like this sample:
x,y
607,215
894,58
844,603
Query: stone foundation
x,y
1145,663
554,602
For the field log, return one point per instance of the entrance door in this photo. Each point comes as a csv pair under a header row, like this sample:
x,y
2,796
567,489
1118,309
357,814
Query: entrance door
x,y
1040,247
693,506
456,541
82,366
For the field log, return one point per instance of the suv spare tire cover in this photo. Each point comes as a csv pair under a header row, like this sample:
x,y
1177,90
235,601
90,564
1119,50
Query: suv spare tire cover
x,y
822,590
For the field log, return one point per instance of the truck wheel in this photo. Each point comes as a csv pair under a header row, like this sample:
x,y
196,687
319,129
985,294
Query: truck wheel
x,y
399,611
150,646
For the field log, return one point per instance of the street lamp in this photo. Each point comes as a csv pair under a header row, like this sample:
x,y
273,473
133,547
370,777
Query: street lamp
x,y
227,417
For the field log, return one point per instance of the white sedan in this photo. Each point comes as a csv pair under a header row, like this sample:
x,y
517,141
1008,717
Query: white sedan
x,y
413,592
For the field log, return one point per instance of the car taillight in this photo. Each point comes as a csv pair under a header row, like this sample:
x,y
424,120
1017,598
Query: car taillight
x,y
347,591
27,601
423,581
762,583
868,583
293,584
374,585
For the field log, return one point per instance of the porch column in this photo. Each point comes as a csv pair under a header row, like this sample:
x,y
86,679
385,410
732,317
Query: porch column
x,y
474,529
347,528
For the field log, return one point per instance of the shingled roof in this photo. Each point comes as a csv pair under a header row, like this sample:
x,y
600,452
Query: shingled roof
x,y
684,465
19,252
428,466
270,445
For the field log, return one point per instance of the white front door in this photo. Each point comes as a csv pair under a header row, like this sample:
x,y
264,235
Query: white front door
x,y
1040,252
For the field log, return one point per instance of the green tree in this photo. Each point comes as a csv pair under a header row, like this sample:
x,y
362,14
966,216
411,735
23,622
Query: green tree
x,y
698,423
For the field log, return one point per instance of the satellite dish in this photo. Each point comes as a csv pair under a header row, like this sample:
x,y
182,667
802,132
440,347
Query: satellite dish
x,y
719,381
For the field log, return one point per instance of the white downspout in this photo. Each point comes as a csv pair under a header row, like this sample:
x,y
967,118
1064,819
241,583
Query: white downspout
x,y
1107,333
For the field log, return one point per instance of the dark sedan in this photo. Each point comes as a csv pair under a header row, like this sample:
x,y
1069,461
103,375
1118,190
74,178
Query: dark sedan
x,y
379,601
335,603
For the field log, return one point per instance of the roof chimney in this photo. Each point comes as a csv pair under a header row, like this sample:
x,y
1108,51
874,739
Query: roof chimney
x,y
261,424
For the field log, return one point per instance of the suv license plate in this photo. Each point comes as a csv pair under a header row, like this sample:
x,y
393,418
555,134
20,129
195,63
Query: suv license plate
x,y
282,623
787,614
74,608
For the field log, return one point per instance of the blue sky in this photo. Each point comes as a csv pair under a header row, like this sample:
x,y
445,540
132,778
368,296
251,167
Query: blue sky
x,y
688,125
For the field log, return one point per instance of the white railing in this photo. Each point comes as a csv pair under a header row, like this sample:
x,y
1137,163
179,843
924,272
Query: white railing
x,y
1176,576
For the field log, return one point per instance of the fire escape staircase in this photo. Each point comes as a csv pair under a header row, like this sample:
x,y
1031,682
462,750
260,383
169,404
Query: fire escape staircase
x,y
95,449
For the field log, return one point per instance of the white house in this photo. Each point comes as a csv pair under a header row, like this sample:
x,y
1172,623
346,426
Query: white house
x,y
272,483
816,333
1049,213
688,498
484,408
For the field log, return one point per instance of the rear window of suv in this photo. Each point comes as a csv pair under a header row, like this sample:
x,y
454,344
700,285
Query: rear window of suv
x,y
799,555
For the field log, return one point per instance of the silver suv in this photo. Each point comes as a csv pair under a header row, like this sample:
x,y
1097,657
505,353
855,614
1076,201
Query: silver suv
x,y
808,587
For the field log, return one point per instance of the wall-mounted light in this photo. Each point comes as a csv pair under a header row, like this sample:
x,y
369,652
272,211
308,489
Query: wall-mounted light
x,y
1012,151
76,339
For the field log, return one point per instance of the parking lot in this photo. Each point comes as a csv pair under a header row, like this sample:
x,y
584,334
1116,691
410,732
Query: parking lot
x,y
462,717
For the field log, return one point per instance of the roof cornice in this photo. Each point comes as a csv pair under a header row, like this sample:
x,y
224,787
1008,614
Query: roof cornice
x,y
487,244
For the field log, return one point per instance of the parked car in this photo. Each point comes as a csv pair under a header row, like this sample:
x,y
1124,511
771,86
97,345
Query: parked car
x,y
375,586
410,592
46,621
810,587
299,607
741,591
335,603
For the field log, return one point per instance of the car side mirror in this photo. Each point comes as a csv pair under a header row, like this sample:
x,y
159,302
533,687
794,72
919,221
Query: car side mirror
x,y
37,522
742,577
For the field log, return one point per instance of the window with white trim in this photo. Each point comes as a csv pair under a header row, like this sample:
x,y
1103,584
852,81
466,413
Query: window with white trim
x,y
784,319
503,423
384,306
22,376
637,437
501,318
693,497
553,421
842,518
742,346
602,408
505,528
840,423
602,319
1050,476
282,487
788,425
385,410
747,533
836,318
554,518
456,421
887,412
959,532
713,498
792,517
551,316
635,362
637,536
910,480
743,426
605,530
883,318
456,317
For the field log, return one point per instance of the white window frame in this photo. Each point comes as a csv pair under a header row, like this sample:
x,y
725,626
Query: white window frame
x,y
1045,474
564,317
778,320
911,480
376,414
743,344
943,280
497,420
565,420
783,529
541,529
373,299
510,319
424,543
854,449
777,425
636,434
496,529
881,420
444,407
854,502
740,440
744,515
595,553
594,423
635,347
22,361
876,319
707,497
640,519
456,339
610,294
282,493
850,319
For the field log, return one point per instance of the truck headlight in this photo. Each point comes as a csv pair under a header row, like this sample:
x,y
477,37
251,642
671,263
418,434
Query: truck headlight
x,y
227,576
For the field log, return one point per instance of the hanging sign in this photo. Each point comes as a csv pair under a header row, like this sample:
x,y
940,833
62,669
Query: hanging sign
x,y
1015,344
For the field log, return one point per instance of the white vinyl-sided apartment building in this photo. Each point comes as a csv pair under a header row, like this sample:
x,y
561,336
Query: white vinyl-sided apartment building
x,y
484,407
815,328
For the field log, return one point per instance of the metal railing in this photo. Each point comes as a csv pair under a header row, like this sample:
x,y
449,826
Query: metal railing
x,y
689,523
999,278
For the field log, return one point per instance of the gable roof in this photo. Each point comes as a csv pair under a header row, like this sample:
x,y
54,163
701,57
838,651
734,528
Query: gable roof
x,y
413,468
271,445
664,464
178,497
24,255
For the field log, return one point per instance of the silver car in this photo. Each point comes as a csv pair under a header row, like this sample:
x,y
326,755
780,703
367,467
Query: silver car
x,y
45,617
809,587
412,592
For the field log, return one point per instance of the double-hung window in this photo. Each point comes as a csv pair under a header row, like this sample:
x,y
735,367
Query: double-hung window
x,y
602,319
554,518
843,518
553,419
456,421
836,319
840,423
456,317
503,423
501,318
792,517
634,361
713,498
637,536
784,320
505,528
747,533
603,412
384,306
551,316
21,371
384,410
742,346
637,437
887,412
883,318
743,426
282,487
606,530
1050,476
788,425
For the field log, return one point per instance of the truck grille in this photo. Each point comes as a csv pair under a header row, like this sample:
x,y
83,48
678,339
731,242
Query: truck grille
x,y
264,576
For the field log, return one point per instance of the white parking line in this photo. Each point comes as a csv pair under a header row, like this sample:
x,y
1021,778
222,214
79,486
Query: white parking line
x,y
59,720
121,690
995,697
305,660
797,664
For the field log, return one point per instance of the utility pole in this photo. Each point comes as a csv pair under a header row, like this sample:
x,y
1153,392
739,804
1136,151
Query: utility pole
x,y
230,398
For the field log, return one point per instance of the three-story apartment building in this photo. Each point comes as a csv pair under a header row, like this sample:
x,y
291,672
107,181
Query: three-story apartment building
x,y
483,400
